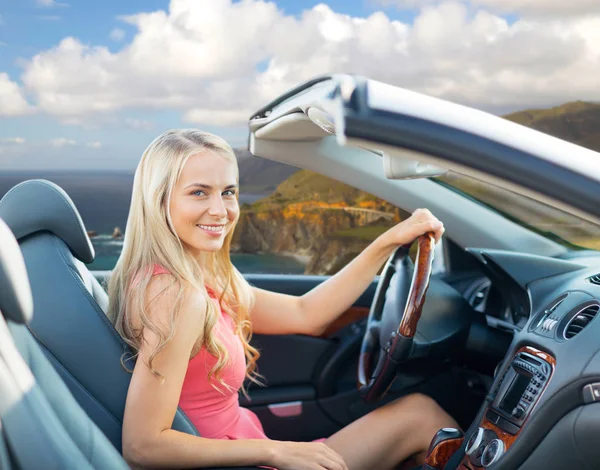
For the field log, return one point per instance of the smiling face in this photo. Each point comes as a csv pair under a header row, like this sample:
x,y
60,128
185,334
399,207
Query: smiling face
x,y
204,205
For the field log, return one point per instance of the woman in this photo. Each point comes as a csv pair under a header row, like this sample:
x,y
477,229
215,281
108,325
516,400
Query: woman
x,y
188,313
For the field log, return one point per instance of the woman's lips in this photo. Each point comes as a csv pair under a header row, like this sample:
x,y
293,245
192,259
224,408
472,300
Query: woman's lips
x,y
212,232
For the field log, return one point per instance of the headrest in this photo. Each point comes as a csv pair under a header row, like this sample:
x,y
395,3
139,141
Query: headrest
x,y
40,205
16,303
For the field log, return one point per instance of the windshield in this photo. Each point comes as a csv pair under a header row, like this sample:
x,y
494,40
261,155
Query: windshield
x,y
562,227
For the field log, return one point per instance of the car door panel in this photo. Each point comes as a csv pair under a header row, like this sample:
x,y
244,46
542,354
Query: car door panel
x,y
299,359
308,422
299,369
290,359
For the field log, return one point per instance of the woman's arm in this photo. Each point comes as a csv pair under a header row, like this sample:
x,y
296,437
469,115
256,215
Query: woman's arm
x,y
149,441
311,313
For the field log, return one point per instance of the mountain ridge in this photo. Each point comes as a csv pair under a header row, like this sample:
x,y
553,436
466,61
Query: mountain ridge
x,y
577,122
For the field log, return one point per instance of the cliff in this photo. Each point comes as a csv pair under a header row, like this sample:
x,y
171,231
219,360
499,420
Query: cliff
x,y
322,221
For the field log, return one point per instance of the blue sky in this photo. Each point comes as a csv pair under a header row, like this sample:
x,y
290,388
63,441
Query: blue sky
x,y
98,99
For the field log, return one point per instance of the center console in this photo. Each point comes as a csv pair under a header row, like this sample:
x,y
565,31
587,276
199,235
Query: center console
x,y
513,399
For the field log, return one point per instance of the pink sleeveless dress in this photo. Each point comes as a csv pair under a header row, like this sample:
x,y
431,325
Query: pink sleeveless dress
x,y
217,414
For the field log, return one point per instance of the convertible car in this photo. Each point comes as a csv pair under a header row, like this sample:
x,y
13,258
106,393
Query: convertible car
x,y
496,323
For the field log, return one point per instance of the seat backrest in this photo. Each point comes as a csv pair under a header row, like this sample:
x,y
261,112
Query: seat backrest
x,y
69,324
42,424
5,459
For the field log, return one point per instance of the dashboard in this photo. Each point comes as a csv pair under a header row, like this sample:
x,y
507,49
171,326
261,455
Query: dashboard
x,y
552,366
488,299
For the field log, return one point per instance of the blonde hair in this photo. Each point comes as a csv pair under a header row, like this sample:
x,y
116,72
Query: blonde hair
x,y
151,239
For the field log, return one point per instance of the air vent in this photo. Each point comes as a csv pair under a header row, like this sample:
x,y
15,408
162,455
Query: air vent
x,y
581,320
546,321
555,306
595,279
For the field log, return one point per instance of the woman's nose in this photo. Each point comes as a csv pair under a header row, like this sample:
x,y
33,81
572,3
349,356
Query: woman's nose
x,y
217,207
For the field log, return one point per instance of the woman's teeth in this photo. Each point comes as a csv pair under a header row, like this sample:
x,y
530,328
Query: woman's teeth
x,y
211,228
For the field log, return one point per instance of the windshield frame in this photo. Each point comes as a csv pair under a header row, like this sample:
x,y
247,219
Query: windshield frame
x,y
544,233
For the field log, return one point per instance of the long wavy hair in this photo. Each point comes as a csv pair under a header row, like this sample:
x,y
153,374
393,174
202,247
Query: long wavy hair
x,y
150,239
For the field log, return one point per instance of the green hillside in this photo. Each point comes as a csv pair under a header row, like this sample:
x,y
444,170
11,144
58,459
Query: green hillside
x,y
259,175
309,186
577,122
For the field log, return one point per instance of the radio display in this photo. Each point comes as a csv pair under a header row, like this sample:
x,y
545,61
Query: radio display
x,y
515,392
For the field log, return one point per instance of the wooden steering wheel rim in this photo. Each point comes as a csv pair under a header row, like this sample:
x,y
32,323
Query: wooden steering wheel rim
x,y
418,287
374,384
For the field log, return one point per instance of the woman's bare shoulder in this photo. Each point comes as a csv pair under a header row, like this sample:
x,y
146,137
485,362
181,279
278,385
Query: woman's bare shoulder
x,y
163,293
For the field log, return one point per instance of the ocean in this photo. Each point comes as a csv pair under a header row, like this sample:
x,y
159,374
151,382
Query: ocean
x,y
103,198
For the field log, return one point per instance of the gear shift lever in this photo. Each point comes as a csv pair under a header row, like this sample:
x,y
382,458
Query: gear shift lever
x,y
443,445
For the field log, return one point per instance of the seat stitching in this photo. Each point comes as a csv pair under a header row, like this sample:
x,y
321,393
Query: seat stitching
x,y
92,439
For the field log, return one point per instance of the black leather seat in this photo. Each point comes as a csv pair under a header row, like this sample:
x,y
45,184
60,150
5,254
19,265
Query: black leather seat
x,y
69,323
42,424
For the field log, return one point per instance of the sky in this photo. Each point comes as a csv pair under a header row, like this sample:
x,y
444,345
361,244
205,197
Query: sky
x,y
88,85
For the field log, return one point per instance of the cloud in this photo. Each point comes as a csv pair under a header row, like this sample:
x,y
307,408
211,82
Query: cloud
x,y
541,8
216,117
13,140
43,155
138,124
117,35
62,142
12,100
50,4
216,62
405,4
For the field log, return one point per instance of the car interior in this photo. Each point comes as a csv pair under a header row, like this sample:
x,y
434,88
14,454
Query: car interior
x,y
505,342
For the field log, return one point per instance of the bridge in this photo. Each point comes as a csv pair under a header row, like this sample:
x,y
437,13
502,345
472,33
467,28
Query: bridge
x,y
371,215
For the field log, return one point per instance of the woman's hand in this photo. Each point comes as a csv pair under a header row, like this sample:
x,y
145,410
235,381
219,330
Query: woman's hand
x,y
306,456
421,221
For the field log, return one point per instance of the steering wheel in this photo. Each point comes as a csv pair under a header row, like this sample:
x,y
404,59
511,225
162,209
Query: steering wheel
x,y
390,331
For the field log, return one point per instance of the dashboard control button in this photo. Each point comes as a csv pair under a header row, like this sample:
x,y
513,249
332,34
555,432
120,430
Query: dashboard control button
x,y
591,392
474,441
489,414
518,412
493,451
492,416
507,426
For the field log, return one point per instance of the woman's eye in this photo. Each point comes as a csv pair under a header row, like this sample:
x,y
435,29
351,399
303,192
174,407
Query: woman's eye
x,y
198,192
229,192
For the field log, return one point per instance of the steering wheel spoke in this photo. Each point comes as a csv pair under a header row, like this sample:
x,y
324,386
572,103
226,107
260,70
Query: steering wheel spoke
x,y
389,333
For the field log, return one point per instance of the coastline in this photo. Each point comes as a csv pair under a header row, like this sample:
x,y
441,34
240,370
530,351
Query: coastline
x,y
301,258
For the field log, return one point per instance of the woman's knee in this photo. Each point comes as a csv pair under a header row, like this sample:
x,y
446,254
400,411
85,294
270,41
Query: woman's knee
x,y
427,409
